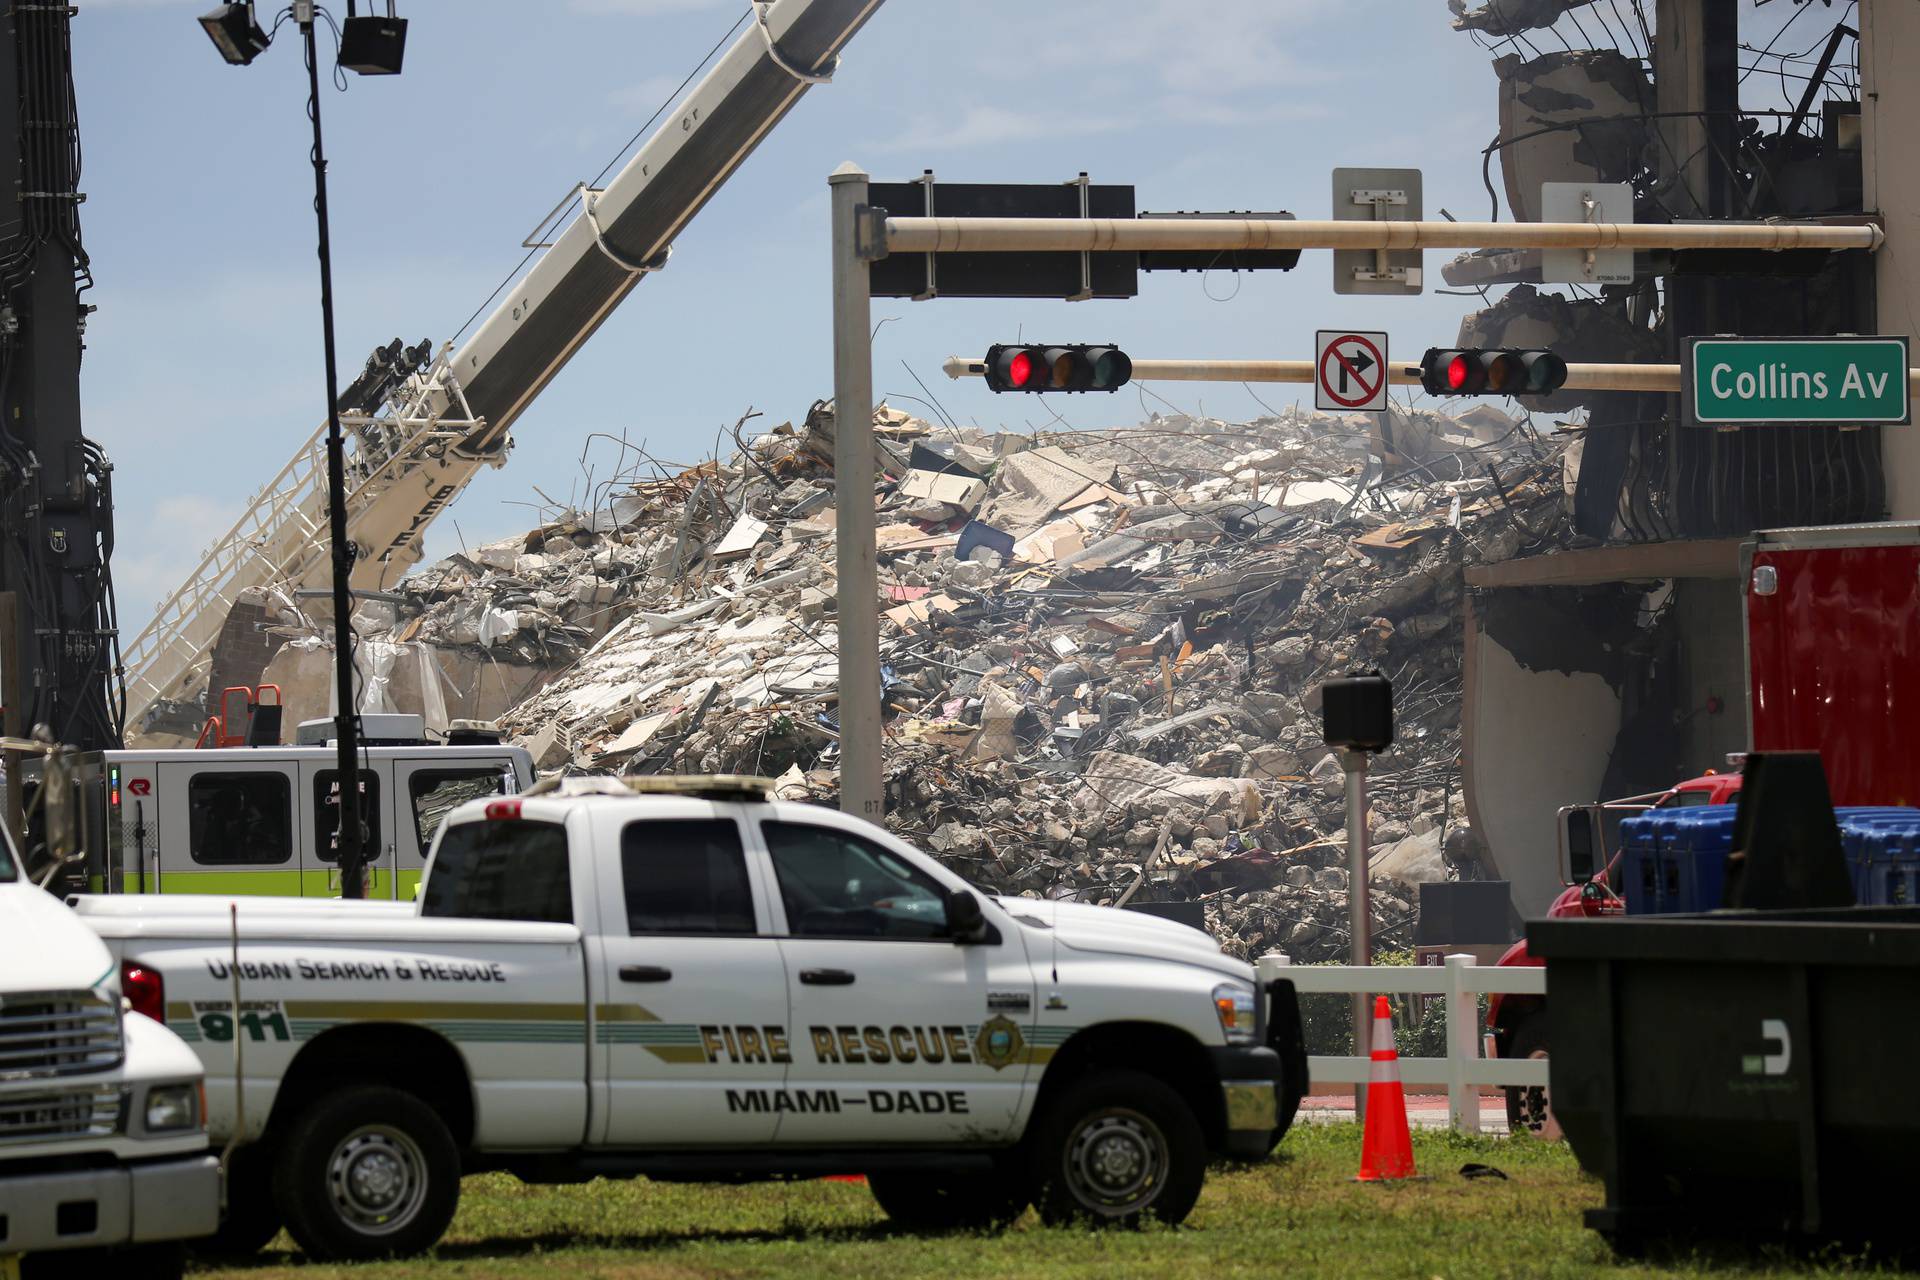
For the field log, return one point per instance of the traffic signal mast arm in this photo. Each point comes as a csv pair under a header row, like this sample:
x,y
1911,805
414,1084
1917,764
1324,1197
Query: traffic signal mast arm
x,y
1580,377
1095,235
411,456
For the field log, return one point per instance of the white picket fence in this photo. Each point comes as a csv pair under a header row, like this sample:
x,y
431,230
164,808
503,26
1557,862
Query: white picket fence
x,y
1461,981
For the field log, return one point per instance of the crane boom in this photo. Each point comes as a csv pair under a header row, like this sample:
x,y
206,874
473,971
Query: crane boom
x,y
414,453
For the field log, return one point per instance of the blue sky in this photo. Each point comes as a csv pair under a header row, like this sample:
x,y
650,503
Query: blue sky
x,y
203,373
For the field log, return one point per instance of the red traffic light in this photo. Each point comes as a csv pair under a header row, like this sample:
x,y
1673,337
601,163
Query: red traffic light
x,y
1500,371
1074,367
1459,372
1020,368
1013,368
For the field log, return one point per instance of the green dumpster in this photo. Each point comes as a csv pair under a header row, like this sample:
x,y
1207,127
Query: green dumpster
x,y
1740,1074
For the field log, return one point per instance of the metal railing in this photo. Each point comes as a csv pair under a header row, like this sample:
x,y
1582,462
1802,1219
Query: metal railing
x,y
1462,982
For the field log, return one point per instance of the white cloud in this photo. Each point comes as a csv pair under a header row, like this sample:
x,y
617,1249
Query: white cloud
x,y
644,6
984,126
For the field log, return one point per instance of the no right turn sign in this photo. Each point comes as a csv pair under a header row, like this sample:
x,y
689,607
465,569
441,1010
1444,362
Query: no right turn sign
x,y
1350,371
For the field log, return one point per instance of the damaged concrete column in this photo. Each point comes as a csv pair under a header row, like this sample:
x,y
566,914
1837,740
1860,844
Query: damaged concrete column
x,y
855,556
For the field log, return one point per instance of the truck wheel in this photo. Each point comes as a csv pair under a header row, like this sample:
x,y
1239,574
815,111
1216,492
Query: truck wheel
x,y
252,1218
1529,1110
368,1172
1115,1149
952,1201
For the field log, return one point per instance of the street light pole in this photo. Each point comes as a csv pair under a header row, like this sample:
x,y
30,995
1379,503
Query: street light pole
x,y
351,844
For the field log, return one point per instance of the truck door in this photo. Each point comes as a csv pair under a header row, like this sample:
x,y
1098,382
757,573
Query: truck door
x,y
320,828
424,793
690,1004
226,828
914,1038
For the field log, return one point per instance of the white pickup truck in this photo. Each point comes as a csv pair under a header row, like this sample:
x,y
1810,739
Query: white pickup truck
x,y
708,986
103,1145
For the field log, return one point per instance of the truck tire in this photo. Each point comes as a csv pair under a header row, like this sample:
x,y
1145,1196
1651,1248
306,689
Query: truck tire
x,y
1115,1149
951,1201
367,1172
252,1217
1529,1110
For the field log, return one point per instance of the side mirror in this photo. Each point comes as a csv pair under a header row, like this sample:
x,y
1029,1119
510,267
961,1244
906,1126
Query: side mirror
x,y
1579,844
964,919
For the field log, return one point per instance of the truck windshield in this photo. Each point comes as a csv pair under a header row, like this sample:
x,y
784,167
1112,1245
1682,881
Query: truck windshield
x,y
501,870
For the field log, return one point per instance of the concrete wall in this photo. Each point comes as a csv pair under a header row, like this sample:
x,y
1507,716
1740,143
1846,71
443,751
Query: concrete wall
x,y
1889,108
1535,740
1713,655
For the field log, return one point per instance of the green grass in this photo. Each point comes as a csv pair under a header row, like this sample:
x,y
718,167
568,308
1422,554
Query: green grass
x,y
1297,1215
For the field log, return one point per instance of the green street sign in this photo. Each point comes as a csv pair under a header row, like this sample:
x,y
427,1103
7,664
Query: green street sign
x,y
1818,381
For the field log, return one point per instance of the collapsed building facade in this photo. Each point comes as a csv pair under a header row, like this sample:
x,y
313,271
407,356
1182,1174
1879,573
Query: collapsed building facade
x,y
1101,651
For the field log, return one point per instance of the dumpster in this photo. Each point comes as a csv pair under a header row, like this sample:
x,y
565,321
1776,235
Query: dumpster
x,y
1740,1074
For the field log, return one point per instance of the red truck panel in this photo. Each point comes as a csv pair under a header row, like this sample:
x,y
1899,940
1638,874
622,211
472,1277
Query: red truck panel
x,y
1834,664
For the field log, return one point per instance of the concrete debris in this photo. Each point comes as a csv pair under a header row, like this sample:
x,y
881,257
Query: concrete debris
x,y
1101,651
1510,17
1570,116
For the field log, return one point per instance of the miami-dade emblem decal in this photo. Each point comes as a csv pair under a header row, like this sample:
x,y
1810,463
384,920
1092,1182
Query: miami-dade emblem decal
x,y
999,1042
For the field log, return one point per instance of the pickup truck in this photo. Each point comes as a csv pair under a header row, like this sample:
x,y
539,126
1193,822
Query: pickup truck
x,y
103,1145
701,984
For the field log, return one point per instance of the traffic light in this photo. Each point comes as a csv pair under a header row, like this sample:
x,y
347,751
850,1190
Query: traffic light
x,y
1079,367
1491,371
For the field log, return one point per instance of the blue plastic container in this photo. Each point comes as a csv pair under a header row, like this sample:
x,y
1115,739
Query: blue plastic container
x,y
1882,848
1674,860
1640,882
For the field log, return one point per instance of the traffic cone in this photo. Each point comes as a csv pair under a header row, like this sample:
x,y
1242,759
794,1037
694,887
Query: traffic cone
x,y
1386,1148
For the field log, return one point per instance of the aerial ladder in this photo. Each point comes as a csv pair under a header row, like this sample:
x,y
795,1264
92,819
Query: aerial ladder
x,y
422,425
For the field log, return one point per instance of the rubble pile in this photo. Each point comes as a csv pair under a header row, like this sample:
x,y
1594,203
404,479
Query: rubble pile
x,y
1101,651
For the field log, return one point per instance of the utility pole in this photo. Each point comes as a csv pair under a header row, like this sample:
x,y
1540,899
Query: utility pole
x,y
1359,907
351,847
855,558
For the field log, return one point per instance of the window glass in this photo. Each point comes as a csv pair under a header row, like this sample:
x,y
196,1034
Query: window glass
x,y
235,818
837,885
685,877
438,792
501,869
326,814
8,871
1687,800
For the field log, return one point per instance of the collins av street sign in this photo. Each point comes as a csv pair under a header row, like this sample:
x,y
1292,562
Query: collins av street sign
x,y
1820,381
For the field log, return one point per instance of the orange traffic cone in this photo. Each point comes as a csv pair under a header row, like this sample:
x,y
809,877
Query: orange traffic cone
x,y
1386,1149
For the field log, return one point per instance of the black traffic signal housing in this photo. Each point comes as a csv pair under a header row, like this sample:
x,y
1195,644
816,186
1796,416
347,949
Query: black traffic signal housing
x,y
1491,371
1356,711
1075,367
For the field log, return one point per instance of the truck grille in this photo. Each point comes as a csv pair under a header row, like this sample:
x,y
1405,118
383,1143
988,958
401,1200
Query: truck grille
x,y
74,1113
57,1033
